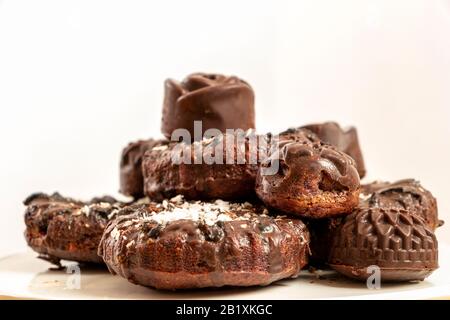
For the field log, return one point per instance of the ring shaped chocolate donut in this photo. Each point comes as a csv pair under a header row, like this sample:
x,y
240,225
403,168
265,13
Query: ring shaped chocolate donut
x,y
182,245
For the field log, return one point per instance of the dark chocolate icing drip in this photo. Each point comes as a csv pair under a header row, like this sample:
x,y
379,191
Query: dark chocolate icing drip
x,y
250,242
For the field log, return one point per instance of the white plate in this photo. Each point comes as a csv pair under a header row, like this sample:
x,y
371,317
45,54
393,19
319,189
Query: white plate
x,y
24,276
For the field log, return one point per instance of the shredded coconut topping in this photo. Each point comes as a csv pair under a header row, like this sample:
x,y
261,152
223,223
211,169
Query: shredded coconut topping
x,y
160,148
364,197
113,213
145,200
115,234
207,212
86,210
129,244
104,205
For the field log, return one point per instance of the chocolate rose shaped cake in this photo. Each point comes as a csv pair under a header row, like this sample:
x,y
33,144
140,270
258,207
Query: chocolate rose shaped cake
x,y
220,102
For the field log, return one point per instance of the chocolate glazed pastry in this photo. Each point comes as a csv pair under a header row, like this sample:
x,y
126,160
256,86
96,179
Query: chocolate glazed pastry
x,y
344,140
63,228
396,241
131,179
182,245
223,167
220,102
331,133
405,194
314,180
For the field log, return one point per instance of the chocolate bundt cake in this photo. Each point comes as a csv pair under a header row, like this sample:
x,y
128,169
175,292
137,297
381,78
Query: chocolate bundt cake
x,y
62,228
223,167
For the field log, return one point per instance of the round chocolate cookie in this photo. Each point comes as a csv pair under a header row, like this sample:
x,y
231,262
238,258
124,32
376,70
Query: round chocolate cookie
x,y
181,245
223,167
399,243
63,228
219,102
313,180
131,179
405,194
344,140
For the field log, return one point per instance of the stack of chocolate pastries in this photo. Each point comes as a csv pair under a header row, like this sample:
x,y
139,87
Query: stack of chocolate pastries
x,y
229,222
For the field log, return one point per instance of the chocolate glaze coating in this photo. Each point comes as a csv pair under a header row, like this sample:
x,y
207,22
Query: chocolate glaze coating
x,y
322,232
236,180
399,243
250,248
344,140
299,135
314,180
63,228
220,102
131,179
405,194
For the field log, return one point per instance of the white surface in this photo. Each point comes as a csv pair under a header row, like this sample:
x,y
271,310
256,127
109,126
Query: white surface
x,y
23,276
79,79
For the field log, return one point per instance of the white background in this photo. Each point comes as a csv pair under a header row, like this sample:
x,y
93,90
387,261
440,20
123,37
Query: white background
x,y
80,79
